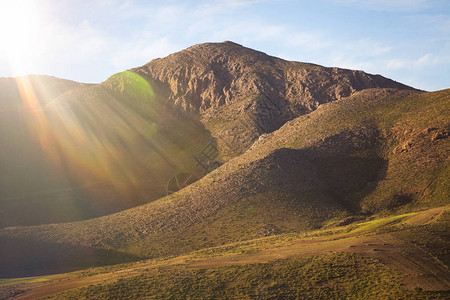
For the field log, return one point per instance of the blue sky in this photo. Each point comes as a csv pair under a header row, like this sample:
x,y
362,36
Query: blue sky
x,y
87,41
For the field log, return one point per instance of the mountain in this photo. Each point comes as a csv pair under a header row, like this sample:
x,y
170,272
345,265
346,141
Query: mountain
x,y
220,171
72,151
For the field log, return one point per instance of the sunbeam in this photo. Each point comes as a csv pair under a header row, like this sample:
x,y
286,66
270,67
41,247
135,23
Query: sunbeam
x,y
116,144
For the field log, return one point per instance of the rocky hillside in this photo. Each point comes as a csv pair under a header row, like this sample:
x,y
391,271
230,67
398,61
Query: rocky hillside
x,y
241,93
207,76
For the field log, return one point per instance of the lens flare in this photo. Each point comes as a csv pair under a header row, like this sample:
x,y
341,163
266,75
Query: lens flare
x,y
115,142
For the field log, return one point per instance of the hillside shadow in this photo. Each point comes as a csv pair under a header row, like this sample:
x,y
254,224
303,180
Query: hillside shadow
x,y
25,257
346,166
350,179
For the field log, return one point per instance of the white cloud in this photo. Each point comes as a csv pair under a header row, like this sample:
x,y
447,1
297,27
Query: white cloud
x,y
427,59
224,6
367,47
348,62
241,3
397,63
387,5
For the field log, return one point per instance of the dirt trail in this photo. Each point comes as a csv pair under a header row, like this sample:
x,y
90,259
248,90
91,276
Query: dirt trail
x,y
419,267
44,289
426,217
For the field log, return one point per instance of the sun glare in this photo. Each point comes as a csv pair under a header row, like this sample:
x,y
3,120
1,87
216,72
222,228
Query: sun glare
x,y
19,27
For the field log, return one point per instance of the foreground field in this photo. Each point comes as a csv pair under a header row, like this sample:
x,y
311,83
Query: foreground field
x,y
404,256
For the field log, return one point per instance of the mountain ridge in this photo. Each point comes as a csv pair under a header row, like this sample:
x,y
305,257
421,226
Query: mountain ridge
x,y
234,65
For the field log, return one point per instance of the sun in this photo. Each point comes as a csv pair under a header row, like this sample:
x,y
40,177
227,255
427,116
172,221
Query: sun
x,y
19,29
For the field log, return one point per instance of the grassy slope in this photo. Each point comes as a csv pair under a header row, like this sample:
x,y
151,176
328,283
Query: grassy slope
x,y
341,276
381,258
418,170
282,185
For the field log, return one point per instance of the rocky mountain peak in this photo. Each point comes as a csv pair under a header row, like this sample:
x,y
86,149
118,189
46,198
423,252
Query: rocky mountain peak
x,y
211,75
239,93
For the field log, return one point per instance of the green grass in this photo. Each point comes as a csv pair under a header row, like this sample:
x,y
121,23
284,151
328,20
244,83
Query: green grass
x,y
342,276
262,268
11,281
371,225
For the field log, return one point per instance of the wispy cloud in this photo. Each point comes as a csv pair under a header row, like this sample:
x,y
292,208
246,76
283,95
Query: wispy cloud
x,y
388,5
425,61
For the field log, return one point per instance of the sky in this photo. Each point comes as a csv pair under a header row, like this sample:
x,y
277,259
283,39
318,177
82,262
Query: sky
x,y
89,40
